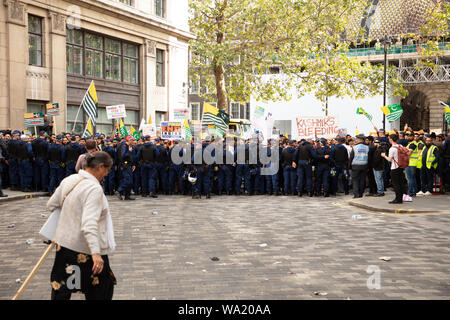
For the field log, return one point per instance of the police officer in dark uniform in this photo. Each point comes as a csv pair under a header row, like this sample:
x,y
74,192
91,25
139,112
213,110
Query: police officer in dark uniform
x,y
341,165
224,172
109,180
271,180
137,181
56,158
289,174
72,153
242,169
147,156
176,172
13,161
125,157
323,168
204,174
162,164
41,169
25,157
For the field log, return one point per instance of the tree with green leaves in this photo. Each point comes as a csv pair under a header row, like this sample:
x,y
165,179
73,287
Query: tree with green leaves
x,y
308,40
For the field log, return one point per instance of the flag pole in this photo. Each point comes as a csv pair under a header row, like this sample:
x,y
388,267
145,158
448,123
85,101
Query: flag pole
x,y
33,272
76,117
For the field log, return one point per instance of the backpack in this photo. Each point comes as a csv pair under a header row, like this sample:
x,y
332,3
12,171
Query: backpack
x,y
403,157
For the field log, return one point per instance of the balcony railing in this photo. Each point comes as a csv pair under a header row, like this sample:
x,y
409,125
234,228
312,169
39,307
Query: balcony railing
x,y
415,48
413,75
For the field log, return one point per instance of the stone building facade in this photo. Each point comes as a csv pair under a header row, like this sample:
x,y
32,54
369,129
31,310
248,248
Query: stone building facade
x,y
135,51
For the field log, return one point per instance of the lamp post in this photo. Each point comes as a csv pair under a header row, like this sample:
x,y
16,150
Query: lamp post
x,y
385,42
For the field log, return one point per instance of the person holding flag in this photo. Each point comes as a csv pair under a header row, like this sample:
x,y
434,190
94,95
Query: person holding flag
x,y
126,163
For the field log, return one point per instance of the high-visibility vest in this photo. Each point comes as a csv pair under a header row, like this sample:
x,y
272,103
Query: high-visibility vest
x,y
431,157
414,157
419,159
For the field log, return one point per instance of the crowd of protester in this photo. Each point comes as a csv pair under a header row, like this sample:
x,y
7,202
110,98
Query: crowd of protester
x,y
307,167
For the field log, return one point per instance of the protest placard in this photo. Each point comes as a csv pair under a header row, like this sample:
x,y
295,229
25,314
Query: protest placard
x,y
148,130
171,130
34,119
116,112
179,114
52,109
326,127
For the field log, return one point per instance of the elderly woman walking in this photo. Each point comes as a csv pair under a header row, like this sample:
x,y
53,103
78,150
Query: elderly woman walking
x,y
84,236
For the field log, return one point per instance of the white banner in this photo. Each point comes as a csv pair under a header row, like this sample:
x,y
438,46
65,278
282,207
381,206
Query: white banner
x,y
148,130
116,112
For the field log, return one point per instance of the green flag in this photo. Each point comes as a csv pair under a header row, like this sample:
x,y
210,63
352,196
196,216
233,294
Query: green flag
x,y
362,111
393,112
123,130
135,134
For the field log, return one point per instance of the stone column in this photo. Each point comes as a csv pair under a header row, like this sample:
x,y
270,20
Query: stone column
x,y
17,61
58,73
150,84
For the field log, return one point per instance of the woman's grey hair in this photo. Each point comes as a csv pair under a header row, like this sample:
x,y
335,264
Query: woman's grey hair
x,y
94,159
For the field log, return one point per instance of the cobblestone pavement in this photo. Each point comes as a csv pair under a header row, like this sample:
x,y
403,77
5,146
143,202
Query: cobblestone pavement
x,y
268,248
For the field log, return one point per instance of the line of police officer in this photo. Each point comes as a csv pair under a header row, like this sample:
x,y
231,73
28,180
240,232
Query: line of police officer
x,y
146,167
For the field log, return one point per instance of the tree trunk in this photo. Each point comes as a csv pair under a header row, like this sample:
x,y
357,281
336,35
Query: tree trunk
x,y
219,74
219,70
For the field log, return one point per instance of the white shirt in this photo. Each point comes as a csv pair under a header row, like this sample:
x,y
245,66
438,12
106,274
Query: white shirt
x,y
393,154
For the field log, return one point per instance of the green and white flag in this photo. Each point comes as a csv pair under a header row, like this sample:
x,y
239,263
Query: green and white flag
x,y
447,111
393,112
362,111
212,116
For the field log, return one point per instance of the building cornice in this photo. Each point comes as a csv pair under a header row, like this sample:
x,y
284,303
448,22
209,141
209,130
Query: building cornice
x,y
139,18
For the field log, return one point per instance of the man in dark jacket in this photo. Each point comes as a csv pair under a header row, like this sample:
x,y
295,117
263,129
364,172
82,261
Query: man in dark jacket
x,y
370,173
340,166
378,164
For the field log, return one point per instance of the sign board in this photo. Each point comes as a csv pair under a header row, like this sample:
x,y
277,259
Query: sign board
x,y
52,109
179,114
116,112
34,119
148,130
171,130
320,127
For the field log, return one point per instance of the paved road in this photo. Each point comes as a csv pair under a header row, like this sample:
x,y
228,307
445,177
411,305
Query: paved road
x,y
268,248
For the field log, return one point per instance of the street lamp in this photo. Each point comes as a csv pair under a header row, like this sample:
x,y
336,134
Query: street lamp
x,y
386,40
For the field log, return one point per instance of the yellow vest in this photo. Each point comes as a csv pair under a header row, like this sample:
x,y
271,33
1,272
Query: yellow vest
x,y
414,157
419,159
431,157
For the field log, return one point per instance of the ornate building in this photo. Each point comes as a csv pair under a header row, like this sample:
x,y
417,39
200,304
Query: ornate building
x,y
136,52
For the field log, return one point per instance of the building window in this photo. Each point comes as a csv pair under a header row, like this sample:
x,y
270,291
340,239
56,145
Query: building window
x,y
247,111
94,55
102,123
132,119
195,111
72,111
159,117
74,48
112,60
101,57
160,67
235,110
35,40
194,87
130,63
159,8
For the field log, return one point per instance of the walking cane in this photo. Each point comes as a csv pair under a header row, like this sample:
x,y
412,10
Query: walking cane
x,y
33,272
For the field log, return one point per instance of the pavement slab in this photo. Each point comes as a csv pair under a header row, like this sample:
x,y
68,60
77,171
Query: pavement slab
x,y
312,244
